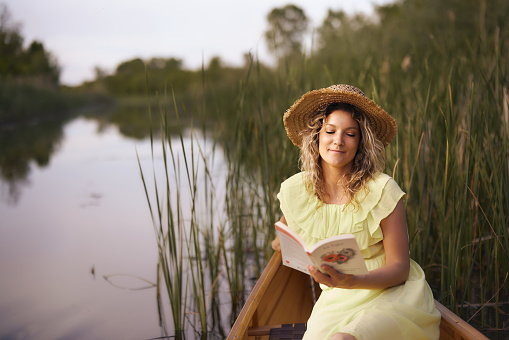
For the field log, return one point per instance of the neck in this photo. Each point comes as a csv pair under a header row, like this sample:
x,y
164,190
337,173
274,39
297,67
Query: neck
x,y
332,175
333,178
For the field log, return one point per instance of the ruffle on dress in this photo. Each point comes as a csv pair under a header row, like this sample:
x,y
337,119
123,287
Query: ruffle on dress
x,y
314,220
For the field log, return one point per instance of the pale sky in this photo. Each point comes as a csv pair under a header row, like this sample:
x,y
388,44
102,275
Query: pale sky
x,y
83,34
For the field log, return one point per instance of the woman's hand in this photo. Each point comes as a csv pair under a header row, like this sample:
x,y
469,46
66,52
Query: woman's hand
x,y
333,278
275,244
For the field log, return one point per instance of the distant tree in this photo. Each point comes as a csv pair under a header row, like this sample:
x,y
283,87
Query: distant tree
x,y
173,64
450,25
287,26
130,77
11,42
100,73
34,64
40,63
131,67
331,27
215,63
156,64
214,69
163,64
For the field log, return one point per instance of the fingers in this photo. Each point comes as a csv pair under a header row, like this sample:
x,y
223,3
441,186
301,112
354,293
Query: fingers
x,y
275,244
331,278
320,277
331,271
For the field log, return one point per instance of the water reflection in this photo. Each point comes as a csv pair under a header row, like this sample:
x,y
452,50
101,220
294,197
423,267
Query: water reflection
x,y
83,216
22,146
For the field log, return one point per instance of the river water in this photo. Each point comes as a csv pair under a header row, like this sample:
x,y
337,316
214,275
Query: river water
x,y
66,224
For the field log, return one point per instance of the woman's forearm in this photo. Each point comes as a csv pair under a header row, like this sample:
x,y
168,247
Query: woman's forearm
x,y
387,276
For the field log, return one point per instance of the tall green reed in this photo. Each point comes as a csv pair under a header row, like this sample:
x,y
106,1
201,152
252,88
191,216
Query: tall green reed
x,y
450,156
168,224
175,212
452,152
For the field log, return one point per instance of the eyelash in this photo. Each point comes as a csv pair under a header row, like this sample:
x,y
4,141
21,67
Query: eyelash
x,y
348,134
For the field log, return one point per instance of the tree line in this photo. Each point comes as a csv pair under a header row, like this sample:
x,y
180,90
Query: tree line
x,y
32,64
400,34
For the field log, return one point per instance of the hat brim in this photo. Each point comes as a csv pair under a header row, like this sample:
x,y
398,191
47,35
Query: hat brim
x,y
296,118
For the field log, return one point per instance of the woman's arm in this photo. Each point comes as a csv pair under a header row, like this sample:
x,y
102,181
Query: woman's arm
x,y
275,242
397,259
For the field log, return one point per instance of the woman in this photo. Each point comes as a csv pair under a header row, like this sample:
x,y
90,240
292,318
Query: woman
x,y
342,135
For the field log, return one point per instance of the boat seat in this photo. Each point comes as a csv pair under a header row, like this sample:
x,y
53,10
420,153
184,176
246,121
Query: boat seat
x,y
276,332
288,331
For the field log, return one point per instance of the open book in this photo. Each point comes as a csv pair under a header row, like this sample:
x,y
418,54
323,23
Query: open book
x,y
340,252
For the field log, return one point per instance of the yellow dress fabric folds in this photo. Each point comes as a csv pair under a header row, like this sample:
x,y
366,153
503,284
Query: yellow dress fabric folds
x,y
406,311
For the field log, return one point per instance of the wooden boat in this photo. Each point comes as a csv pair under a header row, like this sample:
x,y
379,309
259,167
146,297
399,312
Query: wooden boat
x,y
286,296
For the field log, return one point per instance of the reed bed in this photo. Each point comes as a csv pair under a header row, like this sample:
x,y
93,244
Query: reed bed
x,y
451,157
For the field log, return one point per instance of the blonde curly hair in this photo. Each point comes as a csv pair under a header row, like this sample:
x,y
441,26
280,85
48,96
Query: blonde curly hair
x,y
369,160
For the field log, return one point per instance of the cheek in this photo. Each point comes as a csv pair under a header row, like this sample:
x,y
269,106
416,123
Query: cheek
x,y
355,147
321,137
320,148
322,141
355,143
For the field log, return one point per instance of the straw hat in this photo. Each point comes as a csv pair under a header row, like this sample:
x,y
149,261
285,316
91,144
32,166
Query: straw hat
x,y
296,118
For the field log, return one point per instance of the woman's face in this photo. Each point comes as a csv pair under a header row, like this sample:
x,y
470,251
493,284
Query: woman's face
x,y
338,140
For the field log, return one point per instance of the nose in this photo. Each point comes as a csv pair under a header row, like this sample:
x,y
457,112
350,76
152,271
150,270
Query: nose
x,y
338,140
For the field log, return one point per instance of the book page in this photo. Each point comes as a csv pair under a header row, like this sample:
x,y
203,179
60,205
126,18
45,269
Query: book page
x,y
341,252
343,255
294,256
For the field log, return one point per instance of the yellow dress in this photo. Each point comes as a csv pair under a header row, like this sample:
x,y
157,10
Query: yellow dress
x,y
406,311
